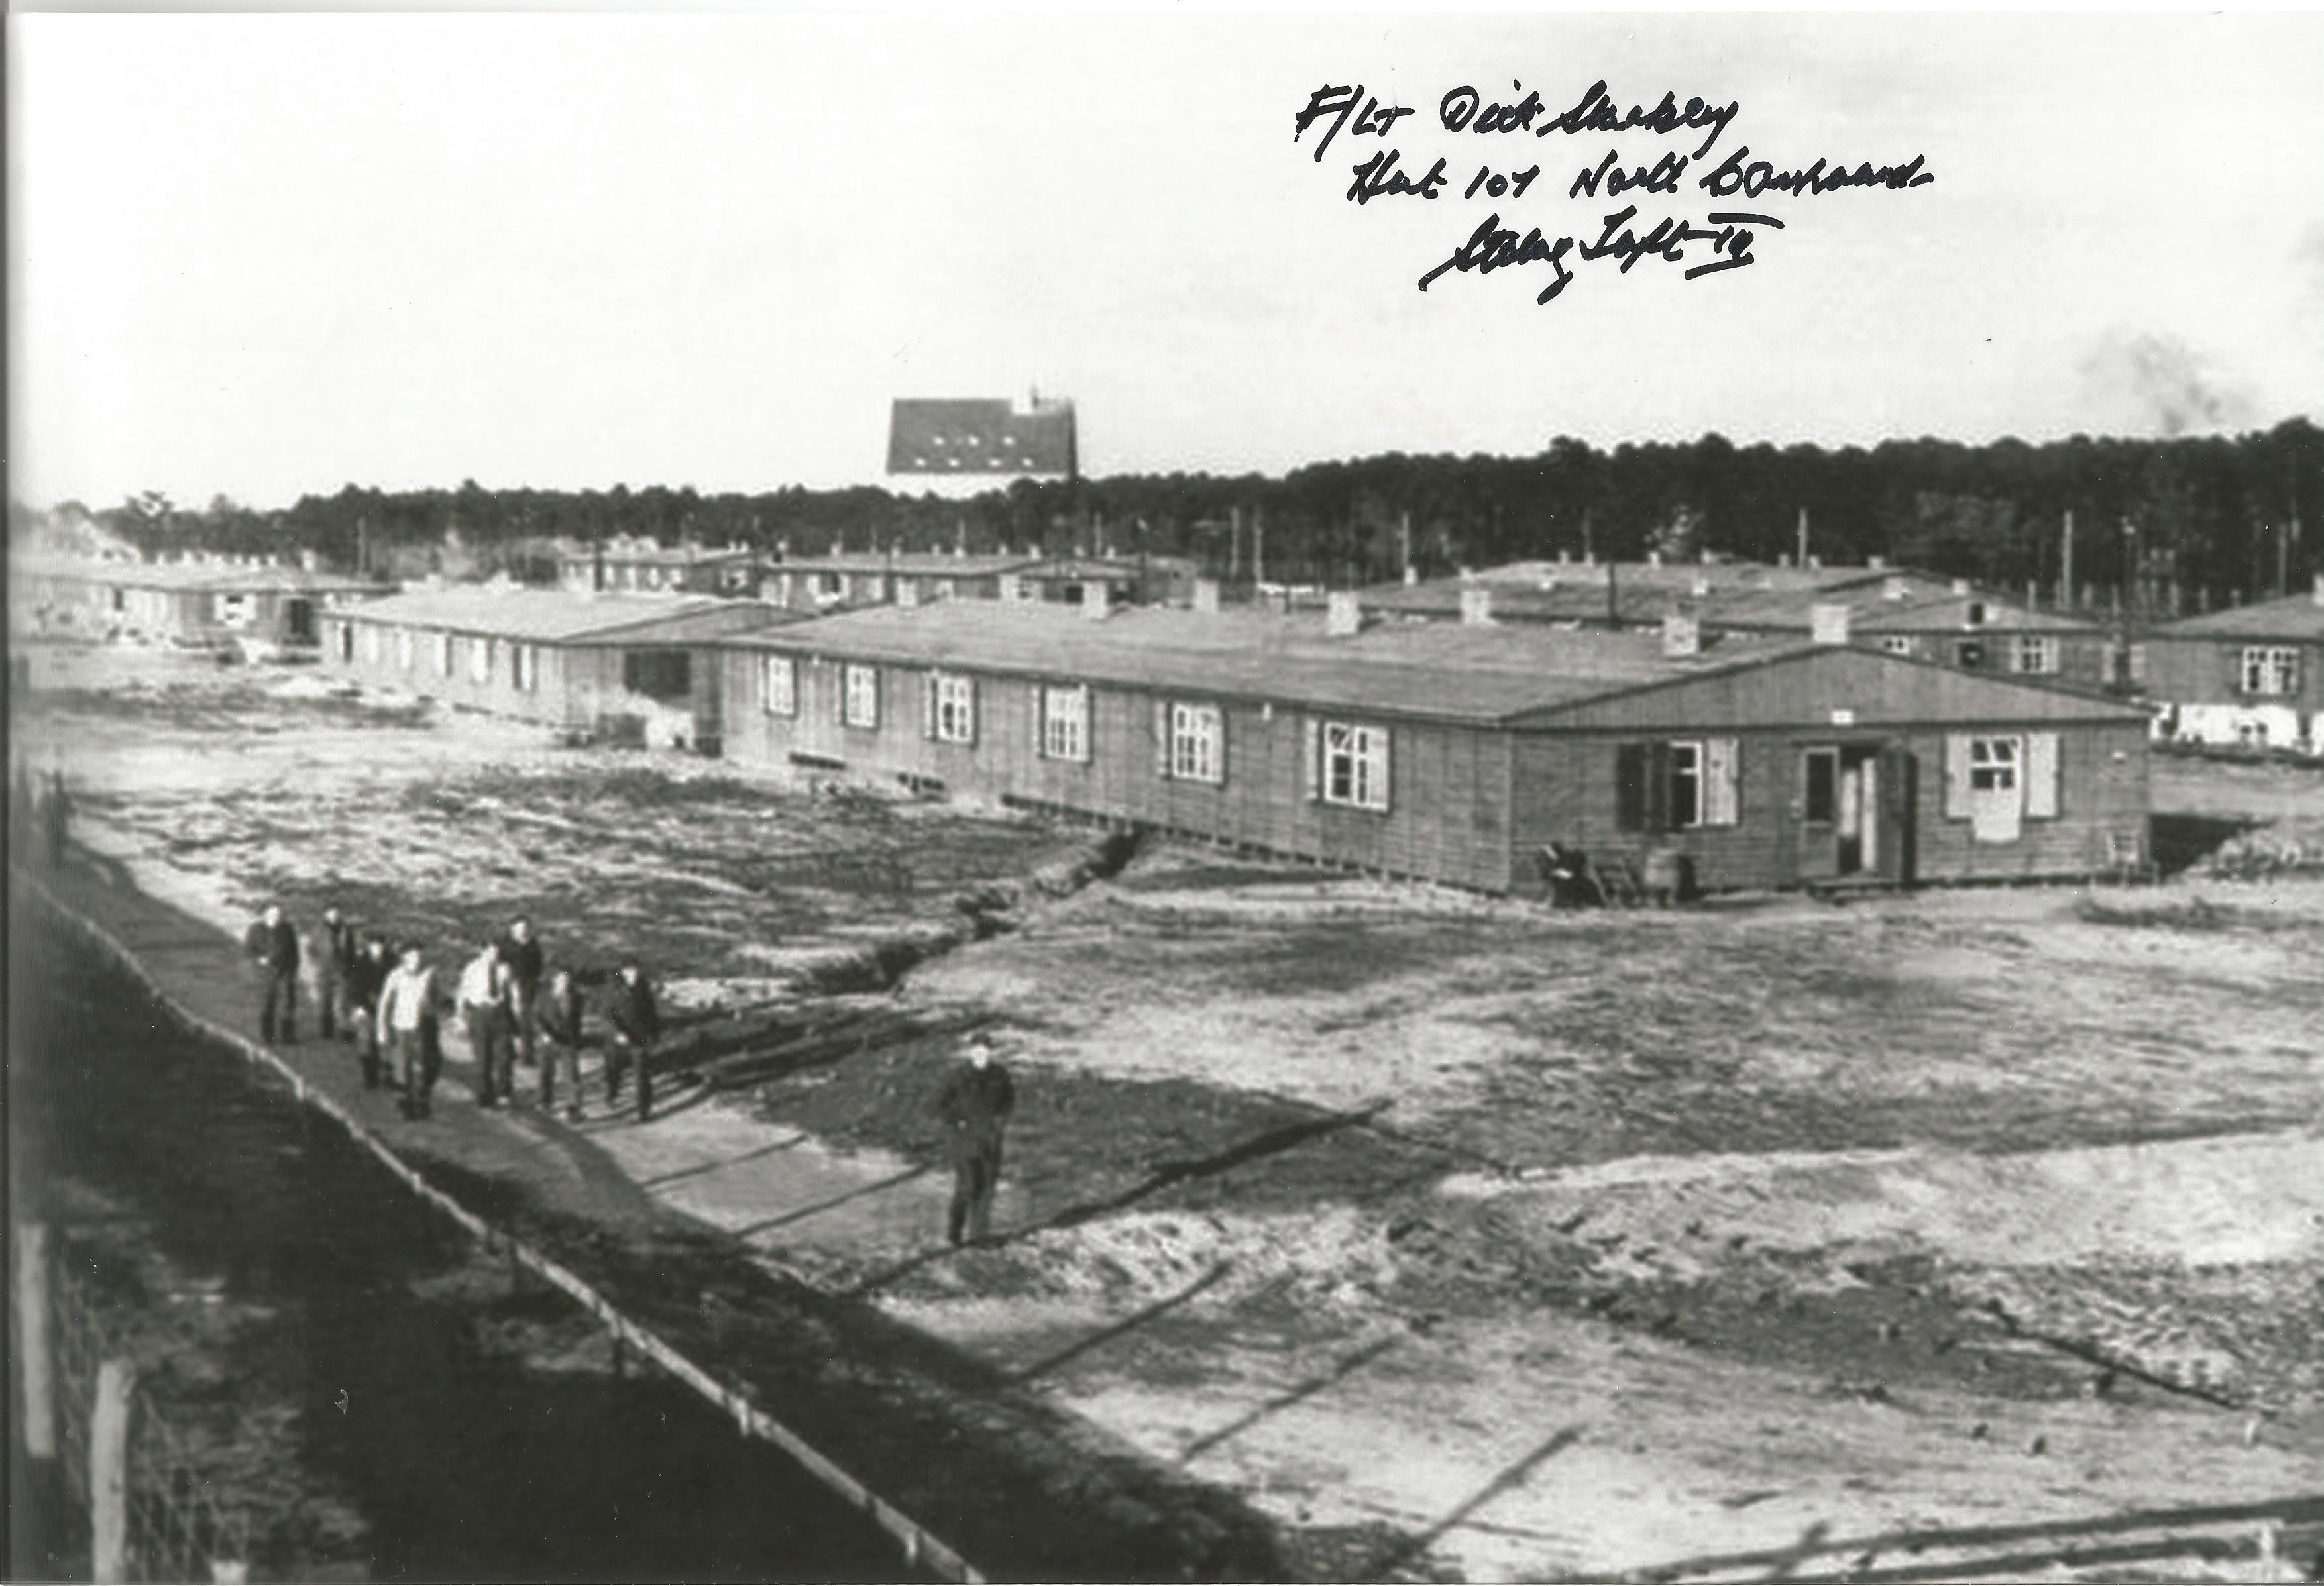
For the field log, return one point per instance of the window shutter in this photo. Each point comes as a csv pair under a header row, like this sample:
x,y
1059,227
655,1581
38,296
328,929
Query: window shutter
x,y
972,713
928,707
2236,671
1387,769
2135,661
1956,779
1311,760
1630,787
1040,720
1162,737
2042,775
1089,724
1718,762
838,674
1658,781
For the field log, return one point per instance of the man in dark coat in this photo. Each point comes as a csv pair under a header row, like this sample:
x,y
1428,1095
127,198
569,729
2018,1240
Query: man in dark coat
x,y
975,1105
273,943
637,1025
336,963
560,1018
521,951
367,977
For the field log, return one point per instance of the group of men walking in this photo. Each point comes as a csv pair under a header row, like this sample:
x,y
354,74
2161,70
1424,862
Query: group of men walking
x,y
507,1000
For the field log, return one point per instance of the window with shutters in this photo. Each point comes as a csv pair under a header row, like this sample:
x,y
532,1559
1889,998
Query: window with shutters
x,y
2035,653
1355,765
2271,669
1064,724
778,685
1685,784
859,696
1993,764
954,718
1195,731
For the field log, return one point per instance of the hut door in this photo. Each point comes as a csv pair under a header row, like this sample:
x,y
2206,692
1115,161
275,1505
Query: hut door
x,y
1897,771
1845,827
299,620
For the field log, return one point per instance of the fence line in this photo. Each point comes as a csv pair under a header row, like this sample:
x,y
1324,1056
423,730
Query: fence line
x,y
921,1547
176,1528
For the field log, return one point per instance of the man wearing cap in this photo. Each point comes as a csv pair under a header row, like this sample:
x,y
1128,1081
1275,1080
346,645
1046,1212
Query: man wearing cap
x,y
975,1105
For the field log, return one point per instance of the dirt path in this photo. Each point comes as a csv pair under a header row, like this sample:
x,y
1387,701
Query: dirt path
x,y
1021,1489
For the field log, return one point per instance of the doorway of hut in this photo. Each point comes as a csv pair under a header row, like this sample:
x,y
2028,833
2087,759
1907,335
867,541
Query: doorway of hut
x,y
299,620
1856,813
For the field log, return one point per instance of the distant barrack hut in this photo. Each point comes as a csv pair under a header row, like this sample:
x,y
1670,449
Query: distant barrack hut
x,y
2250,674
1456,752
208,602
1902,613
845,579
623,564
611,665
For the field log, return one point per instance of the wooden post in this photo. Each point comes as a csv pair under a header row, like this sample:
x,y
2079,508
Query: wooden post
x,y
35,1328
108,1472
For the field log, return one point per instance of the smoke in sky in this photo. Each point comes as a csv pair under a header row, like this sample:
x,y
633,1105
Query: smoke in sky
x,y
2156,381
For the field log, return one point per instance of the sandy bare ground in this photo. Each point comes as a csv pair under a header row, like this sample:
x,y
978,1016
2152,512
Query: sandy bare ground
x,y
1767,1238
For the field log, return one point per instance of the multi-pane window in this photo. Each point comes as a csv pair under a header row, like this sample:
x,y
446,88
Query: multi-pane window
x,y
2271,669
954,709
2035,652
1195,731
778,685
1355,765
859,696
1993,764
233,610
1064,724
480,659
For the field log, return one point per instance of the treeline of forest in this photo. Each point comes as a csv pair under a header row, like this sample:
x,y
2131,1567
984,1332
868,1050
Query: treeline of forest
x,y
2222,517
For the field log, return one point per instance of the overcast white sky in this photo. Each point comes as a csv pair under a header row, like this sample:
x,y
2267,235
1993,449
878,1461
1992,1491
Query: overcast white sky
x,y
265,254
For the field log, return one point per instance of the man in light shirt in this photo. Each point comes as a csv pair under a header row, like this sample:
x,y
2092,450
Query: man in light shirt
x,y
407,1006
484,1017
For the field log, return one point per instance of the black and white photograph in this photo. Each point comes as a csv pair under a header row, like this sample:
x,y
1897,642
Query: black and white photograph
x,y
1086,794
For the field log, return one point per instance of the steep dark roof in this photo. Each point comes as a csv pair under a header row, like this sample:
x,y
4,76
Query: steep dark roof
x,y
981,436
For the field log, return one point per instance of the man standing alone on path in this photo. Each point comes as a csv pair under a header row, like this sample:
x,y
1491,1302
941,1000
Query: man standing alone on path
x,y
333,1007
974,1105
406,1008
637,1025
273,943
521,953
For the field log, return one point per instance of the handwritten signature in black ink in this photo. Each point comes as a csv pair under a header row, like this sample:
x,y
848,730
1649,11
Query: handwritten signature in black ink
x,y
1493,247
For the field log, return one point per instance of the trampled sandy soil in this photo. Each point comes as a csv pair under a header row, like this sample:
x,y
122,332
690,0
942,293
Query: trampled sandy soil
x,y
1771,1237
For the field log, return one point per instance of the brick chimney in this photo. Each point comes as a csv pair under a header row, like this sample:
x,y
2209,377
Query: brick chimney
x,y
1827,623
1681,634
1476,607
1343,614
